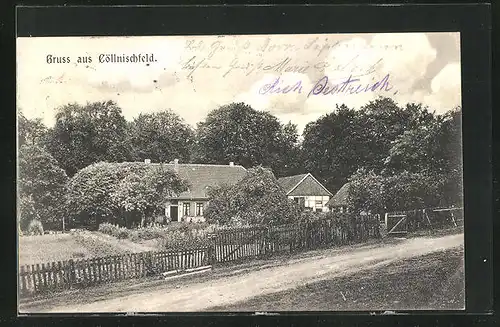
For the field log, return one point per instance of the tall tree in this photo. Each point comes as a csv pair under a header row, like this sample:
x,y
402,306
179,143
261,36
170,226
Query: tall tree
x,y
161,136
339,143
400,191
256,199
83,135
383,121
41,187
119,193
453,154
433,148
334,146
30,131
239,133
286,160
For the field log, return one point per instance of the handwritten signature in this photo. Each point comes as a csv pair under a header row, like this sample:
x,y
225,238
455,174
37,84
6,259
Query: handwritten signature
x,y
351,85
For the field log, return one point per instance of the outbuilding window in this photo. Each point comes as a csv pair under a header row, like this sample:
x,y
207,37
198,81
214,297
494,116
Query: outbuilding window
x,y
199,209
185,209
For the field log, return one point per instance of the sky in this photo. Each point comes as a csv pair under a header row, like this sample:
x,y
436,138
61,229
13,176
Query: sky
x,y
297,78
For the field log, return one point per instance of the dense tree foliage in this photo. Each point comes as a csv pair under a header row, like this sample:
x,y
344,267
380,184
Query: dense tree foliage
x,y
347,139
30,131
395,157
120,193
161,136
256,199
241,134
334,146
435,150
423,168
87,134
375,193
41,187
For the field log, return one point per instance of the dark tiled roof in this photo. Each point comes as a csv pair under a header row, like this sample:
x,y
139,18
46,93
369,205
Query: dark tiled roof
x,y
308,185
201,176
289,182
340,198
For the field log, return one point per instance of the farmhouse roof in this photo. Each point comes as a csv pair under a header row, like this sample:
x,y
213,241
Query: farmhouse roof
x,y
340,198
303,184
202,176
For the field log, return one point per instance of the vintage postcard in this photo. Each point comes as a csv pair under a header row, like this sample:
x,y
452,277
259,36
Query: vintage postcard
x,y
226,173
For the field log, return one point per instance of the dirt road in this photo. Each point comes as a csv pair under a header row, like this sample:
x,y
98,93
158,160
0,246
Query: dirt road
x,y
202,295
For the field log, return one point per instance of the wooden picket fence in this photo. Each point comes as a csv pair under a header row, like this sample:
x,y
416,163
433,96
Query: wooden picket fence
x,y
240,244
64,275
403,222
226,246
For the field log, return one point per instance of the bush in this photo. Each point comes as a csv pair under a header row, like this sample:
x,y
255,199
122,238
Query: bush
x,y
107,228
120,192
175,235
147,233
35,227
114,230
122,233
160,219
184,240
256,199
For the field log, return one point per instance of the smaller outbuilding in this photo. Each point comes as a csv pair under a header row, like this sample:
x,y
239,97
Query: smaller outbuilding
x,y
306,191
338,202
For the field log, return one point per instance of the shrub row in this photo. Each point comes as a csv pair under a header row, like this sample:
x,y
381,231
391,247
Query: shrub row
x,y
182,235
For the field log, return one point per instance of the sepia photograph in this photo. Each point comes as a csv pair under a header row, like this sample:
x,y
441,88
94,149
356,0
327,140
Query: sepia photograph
x,y
240,173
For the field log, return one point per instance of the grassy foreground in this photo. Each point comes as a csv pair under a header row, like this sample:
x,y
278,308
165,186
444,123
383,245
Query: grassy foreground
x,y
434,281
58,247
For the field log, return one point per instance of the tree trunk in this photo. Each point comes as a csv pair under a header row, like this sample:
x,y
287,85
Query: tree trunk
x,y
142,220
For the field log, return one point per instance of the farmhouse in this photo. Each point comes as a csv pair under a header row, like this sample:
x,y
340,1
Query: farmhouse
x,y
189,205
338,202
307,191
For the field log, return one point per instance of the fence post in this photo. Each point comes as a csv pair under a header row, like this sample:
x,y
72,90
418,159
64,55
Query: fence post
x,y
72,273
212,248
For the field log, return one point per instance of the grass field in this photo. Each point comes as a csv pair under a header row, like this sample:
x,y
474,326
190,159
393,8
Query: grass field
x,y
82,245
434,281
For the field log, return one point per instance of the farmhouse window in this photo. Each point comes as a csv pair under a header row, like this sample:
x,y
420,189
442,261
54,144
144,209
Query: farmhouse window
x,y
199,209
185,209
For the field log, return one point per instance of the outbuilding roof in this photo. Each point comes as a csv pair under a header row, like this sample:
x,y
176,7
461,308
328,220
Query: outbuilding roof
x,y
303,185
340,198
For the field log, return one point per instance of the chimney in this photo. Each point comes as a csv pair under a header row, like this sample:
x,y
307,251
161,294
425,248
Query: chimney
x,y
148,161
231,163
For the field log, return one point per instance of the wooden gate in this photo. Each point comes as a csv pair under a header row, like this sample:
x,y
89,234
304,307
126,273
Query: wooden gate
x,y
236,244
397,224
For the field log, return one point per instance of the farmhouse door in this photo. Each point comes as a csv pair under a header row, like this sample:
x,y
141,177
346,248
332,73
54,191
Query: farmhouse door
x,y
174,213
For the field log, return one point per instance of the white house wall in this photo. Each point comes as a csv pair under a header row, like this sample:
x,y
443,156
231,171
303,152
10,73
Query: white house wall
x,y
192,211
310,201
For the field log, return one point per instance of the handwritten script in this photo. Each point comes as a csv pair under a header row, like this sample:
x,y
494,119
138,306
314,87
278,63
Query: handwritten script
x,y
350,85
277,55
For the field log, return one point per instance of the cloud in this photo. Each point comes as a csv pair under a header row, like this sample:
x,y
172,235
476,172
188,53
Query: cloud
x,y
446,89
410,62
404,56
166,84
